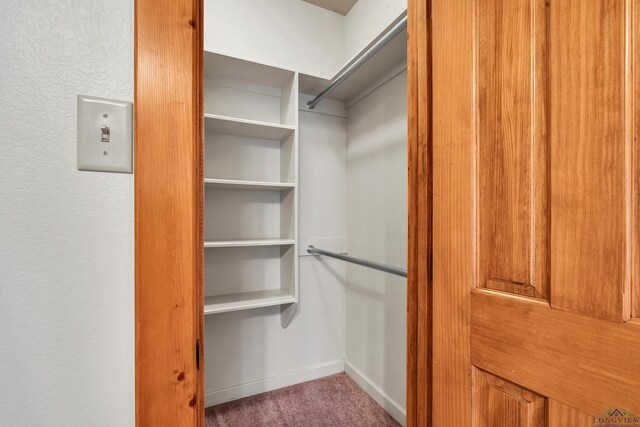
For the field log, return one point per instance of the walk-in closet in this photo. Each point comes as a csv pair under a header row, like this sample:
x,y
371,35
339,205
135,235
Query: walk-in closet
x,y
320,213
305,219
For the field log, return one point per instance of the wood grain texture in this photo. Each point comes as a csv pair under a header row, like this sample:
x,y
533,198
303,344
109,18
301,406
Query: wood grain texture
x,y
419,221
511,65
168,212
633,117
588,193
497,402
535,108
198,214
583,362
453,213
563,416
513,183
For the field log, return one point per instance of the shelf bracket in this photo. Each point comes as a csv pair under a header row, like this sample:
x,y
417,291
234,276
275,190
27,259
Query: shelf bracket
x,y
287,313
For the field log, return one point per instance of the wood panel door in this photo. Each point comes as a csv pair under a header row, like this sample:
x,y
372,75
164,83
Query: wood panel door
x,y
535,212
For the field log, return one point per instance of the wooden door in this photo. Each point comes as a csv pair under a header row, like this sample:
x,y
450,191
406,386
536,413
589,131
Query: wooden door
x,y
535,212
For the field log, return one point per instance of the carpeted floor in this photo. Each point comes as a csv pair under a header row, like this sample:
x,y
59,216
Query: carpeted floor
x,y
331,401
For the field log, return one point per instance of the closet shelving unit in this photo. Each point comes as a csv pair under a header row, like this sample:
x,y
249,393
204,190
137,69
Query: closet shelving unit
x,y
251,174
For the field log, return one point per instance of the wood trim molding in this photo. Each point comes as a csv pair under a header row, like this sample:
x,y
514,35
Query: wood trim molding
x,y
419,210
168,185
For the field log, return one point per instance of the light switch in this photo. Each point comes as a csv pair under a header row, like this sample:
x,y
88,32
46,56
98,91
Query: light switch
x,y
105,135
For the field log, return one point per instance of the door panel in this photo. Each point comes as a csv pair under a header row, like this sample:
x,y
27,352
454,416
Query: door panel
x,y
497,402
512,146
562,416
586,363
535,211
588,194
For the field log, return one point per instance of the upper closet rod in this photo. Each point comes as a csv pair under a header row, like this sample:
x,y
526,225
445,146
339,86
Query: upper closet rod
x,y
394,31
363,262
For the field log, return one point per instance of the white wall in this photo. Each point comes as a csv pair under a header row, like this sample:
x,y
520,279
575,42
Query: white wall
x,y
288,33
377,230
294,34
66,237
366,20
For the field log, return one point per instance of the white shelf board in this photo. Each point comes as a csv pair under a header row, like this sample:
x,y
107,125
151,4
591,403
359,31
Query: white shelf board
x,y
248,243
246,300
376,67
217,65
247,128
247,185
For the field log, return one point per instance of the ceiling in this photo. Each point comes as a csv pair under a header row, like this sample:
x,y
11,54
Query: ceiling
x,y
340,6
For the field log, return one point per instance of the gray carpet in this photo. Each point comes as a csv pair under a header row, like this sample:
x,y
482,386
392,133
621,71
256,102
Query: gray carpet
x,y
331,401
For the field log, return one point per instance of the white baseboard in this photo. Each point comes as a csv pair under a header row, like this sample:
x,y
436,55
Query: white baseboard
x,y
239,391
390,405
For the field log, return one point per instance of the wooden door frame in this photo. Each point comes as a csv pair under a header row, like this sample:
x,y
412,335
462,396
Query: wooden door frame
x,y
168,186
169,192
419,259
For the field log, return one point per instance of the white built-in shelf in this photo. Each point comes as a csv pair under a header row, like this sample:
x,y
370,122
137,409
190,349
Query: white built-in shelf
x,y
220,66
246,128
248,243
246,300
251,125
247,185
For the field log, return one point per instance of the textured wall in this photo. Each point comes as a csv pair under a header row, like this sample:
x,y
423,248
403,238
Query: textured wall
x,y
66,237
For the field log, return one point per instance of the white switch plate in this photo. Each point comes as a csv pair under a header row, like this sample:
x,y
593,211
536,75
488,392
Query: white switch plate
x,y
116,118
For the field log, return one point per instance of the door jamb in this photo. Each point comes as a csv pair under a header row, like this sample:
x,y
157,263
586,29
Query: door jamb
x,y
169,192
419,192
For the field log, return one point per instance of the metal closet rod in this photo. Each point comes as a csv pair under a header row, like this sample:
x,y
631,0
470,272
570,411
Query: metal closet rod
x,y
363,262
394,31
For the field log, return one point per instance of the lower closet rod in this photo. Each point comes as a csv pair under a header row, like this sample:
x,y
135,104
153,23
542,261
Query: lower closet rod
x,y
363,262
